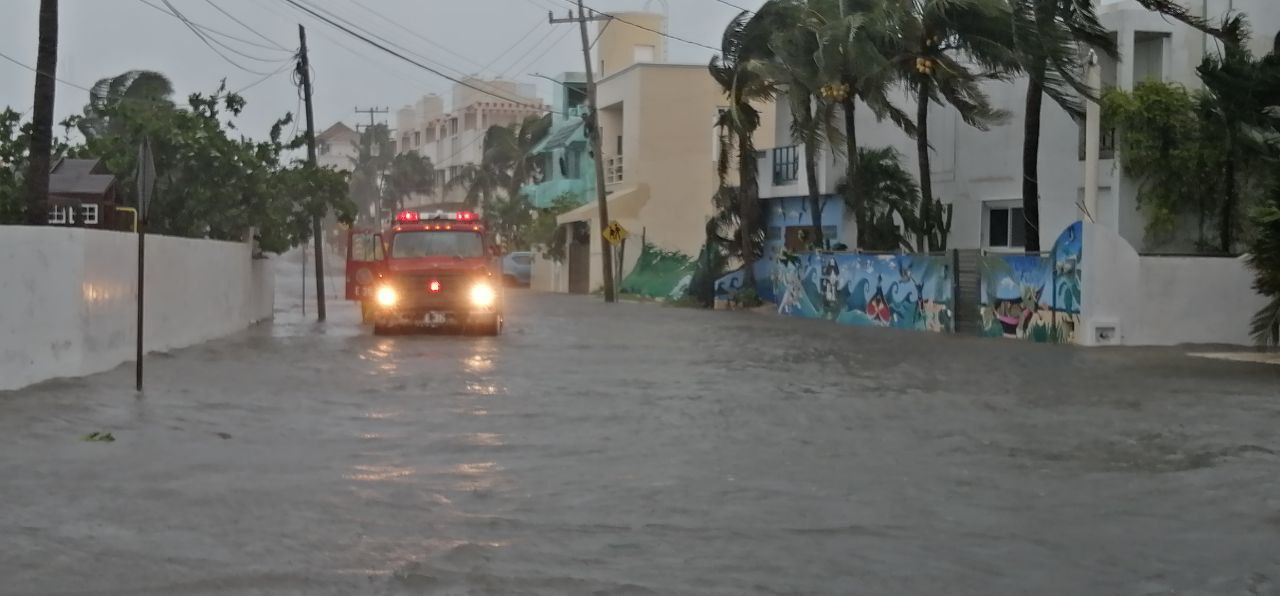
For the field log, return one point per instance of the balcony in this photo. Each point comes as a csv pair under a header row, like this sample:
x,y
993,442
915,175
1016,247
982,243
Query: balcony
x,y
613,167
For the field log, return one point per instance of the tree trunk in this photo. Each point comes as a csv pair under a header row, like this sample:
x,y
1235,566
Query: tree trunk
x,y
924,238
815,202
1031,156
42,115
851,172
749,202
1230,194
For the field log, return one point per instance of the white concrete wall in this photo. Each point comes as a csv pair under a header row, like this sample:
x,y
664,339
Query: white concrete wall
x,y
1198,300
1163,301
67,298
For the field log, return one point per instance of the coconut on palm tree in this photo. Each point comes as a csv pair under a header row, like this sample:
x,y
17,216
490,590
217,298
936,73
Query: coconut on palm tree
x,y
945,50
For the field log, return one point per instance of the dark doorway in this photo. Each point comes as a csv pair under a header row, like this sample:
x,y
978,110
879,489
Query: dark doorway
x,y
579,257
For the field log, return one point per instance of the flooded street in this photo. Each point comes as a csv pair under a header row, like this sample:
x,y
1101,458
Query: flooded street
x,y
642,449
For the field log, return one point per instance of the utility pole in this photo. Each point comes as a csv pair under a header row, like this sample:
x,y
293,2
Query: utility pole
x,y
304,72
593,125
372,112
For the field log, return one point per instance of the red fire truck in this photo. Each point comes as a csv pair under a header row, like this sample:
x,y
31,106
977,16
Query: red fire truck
x,y
429,269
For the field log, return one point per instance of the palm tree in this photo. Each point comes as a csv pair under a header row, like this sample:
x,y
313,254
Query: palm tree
x,y
1047,34
409,174
375,151
507,164
796,66
940,42
889,195
42,114
148,89
741,74
856,39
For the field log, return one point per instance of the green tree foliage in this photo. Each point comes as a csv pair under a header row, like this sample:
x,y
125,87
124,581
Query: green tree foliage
x,y
507,165
210,184
889,195
409,174
375,152
15,141
1167,143
1264,258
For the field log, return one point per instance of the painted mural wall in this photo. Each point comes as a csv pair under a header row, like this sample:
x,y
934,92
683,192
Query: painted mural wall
x,y
660,274
901,291
1034,297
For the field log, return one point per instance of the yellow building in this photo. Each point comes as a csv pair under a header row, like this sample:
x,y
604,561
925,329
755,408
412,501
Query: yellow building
x,y
660,148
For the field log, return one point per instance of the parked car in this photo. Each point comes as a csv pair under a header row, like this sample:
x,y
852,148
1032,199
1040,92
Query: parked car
x,y
517,268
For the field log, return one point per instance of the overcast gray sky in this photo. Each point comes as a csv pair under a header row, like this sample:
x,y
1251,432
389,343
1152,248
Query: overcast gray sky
x,y
100,38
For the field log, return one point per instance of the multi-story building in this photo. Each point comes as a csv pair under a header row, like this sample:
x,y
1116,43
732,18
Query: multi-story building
x,y
980,172
455,138
568,171
337,146
660,148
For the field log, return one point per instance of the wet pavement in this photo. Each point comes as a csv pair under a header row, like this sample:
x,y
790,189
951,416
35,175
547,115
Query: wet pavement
x,y
642,449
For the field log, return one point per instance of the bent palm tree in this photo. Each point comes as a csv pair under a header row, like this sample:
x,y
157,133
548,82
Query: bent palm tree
x,y
940,41
148,90
740,72
409,174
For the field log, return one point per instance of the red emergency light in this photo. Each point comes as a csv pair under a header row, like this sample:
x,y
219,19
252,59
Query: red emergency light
x,y
415,216
434,286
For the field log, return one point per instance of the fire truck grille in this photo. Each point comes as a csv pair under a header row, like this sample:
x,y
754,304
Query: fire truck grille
x,y
415,290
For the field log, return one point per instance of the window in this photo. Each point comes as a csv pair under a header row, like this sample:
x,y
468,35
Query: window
x,y
619,145
417,139
1006,227
61,216
453,126
786,165
89,214
323,148
413,245
645,53
454,171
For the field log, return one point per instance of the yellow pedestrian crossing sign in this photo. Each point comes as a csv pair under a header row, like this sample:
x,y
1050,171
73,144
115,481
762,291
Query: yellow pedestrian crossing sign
x,y
615,233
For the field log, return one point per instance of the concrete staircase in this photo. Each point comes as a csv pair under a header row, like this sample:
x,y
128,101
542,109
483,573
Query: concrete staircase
x,y
968,300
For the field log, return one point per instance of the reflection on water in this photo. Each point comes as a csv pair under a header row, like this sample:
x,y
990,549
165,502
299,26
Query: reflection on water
x,y
483,439
380,415
477,364
368,473
482,389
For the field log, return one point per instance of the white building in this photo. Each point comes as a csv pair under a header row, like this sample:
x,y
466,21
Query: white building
x,y
337,146
455,138
980,172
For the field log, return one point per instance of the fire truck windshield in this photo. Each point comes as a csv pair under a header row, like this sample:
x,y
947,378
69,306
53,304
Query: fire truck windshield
x,y
413,245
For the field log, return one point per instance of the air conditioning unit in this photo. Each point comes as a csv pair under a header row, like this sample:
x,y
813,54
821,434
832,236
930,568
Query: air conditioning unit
x,y
1105,333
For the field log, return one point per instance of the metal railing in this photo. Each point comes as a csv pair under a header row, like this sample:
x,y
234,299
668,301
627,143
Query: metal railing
x,y
786,165
613,170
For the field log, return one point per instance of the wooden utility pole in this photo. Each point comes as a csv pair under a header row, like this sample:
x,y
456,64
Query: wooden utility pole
x,y
372,112
304,72
593,127
37,184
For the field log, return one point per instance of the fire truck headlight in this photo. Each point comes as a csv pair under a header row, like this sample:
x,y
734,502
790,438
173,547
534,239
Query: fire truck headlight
x,y
482,295
386,296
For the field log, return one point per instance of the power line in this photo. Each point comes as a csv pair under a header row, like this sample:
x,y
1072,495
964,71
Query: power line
x,y
416,34
287,66
332,17
732,5
206,40
33,69
247,27
213,31
384,48
649,29
548,49
513,46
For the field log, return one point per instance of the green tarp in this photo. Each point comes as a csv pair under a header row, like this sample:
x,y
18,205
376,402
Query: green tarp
x,y
660,274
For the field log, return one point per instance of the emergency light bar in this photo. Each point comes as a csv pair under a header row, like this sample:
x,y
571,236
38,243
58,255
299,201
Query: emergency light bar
x,y
416,216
